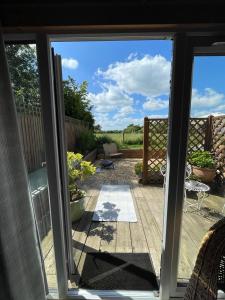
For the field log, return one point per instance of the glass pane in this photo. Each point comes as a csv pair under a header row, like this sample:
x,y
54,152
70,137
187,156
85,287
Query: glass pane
x,y
204,185
109,87
24,77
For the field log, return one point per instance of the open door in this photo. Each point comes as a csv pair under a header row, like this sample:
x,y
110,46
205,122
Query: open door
x,y
60,120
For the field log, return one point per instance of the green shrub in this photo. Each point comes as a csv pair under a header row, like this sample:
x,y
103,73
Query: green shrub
x,y
135,141
138,168
103,139
202,159
86,142
78,169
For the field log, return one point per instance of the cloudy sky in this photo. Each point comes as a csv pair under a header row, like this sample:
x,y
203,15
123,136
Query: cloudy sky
x,y
130,80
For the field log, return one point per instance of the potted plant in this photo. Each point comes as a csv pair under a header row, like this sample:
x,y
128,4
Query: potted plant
x,y
78,169
203,165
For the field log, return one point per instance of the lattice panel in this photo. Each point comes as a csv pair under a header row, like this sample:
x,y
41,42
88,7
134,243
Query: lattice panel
x,y
197,134
158,132
218,128
157,146
204,134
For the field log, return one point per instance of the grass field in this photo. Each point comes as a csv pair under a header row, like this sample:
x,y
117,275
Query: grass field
x,y
129,141
157,140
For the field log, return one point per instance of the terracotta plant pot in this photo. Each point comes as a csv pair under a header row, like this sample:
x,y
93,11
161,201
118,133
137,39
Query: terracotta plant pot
x,y
204,174
77,209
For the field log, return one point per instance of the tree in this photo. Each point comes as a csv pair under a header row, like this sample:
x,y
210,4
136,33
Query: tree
x,y
77,104
97,128
23,70
133,128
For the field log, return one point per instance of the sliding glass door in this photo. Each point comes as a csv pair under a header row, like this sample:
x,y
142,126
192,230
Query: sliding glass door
x,y
199,203
204,186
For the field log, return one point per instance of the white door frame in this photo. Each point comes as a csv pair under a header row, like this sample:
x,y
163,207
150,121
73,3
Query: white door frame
x,y
185,47
44,56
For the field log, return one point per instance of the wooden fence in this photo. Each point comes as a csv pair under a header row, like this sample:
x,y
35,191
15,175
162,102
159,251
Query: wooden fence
x,y
74,128
204,134
30,123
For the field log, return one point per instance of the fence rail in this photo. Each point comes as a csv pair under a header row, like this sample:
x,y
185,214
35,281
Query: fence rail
x,y
31,131
204,134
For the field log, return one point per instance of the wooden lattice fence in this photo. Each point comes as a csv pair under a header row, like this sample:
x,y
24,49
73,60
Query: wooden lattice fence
x,y
218,137
204,134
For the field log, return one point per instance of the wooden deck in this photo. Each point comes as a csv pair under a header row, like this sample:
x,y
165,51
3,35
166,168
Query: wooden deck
x,y
144,236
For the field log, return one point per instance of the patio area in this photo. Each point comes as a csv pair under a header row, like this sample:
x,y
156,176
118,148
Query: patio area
x,y
138,243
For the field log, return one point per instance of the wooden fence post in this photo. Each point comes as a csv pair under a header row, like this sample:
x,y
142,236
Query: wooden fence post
x,y
209,134
145,150
123,133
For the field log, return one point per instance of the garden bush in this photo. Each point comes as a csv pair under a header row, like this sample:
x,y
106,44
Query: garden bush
x,y
103,139
138,168
135,141
86,142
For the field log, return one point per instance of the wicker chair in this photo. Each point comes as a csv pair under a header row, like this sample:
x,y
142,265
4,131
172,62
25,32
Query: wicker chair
x,y
209,272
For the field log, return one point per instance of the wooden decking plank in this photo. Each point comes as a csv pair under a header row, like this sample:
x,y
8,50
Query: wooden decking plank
x,y
138,239
154,197
152,233
93,240
186,257
136,189
92,243
52,281
87,204
47,244
49,263
108,239
82,231
123,238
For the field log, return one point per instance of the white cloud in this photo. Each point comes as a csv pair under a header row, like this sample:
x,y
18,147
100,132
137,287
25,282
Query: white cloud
x,y
158,116
155,104
208,102
209,98
70,63
109,123
205,114
132,56
124,85
110,99
123,112
148,76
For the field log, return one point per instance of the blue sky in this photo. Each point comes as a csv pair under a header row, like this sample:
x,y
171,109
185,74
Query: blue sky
x,y
128,80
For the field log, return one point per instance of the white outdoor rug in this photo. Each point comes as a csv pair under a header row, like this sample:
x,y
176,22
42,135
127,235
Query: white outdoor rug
x,y
115,204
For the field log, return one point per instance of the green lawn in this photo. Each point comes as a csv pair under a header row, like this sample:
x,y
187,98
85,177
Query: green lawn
x,y
156,140
131,140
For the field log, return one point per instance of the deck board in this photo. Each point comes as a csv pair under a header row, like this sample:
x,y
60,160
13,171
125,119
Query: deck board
x,y
144,236
123,238
108,240
138,238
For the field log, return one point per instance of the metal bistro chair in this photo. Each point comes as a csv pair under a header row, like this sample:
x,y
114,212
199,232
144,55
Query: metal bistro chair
x,y
187,173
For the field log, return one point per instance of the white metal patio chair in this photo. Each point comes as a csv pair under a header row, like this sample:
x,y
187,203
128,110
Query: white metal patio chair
x,y
188,172
163,172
